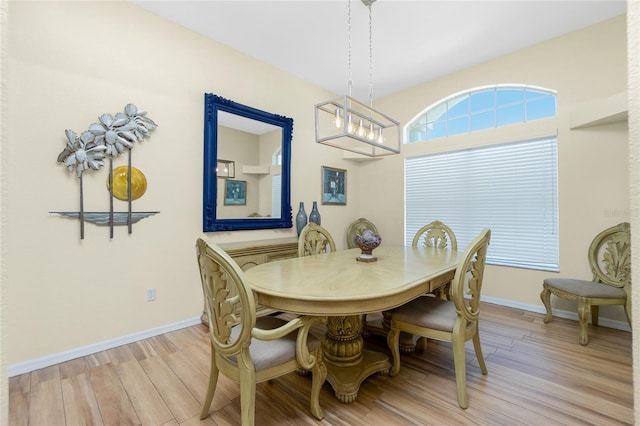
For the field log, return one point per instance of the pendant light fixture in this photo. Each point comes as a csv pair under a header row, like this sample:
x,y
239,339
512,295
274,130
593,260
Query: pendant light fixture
x,y
354,126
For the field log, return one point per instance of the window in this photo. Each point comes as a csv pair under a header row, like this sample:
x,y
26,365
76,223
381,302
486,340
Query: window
x,y
276,184
276,157
510,188
482,108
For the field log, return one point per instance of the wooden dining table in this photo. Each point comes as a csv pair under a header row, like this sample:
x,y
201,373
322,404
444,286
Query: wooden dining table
x,y
341,288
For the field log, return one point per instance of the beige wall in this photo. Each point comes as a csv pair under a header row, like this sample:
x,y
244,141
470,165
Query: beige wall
x,y
240,147
584,67
70,62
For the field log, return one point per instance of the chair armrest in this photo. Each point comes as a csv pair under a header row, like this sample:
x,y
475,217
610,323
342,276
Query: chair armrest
x,y
303,324
276,333
306,359
294,324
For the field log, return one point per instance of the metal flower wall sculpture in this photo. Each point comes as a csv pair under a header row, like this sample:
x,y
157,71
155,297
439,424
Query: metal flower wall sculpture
x,y
110,137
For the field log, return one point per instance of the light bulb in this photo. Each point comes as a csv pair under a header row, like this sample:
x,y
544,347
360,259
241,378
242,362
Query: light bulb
x,y
361,130
350,127
381,138
371,135
338,120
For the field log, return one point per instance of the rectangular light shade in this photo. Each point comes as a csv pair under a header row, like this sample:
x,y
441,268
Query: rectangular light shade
x,y
350,125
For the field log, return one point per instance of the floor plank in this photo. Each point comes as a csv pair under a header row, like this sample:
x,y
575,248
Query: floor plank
x,y
143,395
179,400
80,405
45,405
114,403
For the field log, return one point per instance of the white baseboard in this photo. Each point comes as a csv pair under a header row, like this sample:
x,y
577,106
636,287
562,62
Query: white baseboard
x,y
46,361
618,325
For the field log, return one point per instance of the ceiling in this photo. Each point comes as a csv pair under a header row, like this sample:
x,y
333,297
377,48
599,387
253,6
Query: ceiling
x,y
413,41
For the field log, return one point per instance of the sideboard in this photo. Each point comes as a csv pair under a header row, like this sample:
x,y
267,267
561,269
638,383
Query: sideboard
x,y
251,253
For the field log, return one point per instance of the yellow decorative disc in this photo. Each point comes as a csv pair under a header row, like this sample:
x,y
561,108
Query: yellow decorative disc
x,y
138,183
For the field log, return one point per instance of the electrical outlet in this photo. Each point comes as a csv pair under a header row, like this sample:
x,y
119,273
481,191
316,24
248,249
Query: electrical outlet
x,y
151,294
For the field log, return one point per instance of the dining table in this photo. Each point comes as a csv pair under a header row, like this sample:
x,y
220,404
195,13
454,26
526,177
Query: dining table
x,y
338,286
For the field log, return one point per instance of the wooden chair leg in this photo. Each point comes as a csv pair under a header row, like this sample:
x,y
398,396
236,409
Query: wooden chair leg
x,y
247,397
460,371
213,382
421,344
595,314
584,312
478,349
627,310
545,296
393,341
319,375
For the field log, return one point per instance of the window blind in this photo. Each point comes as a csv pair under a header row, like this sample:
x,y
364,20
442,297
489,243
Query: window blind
x,y
510,188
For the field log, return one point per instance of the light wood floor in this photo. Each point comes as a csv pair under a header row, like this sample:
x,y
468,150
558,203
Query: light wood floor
x,y
538,375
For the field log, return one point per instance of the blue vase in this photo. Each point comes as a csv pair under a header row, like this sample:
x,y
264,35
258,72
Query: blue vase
x,y
301,218
314,216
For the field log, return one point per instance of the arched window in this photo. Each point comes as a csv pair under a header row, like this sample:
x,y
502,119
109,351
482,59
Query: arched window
x,y
509,186
481,108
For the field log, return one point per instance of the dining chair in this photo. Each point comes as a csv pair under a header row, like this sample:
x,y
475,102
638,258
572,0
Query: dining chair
x,y
249,350
610,259
434,234
314,239
454,320
357,227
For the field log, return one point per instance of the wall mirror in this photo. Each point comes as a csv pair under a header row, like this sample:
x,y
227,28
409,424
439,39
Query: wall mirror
x,y
258,143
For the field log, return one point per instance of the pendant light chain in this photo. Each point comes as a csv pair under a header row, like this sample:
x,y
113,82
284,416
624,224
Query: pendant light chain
x,y
349,81
370,57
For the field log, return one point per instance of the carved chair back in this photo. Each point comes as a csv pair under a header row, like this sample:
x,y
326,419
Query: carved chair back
x,y
228,301
467,282
436,234
610,256
314,239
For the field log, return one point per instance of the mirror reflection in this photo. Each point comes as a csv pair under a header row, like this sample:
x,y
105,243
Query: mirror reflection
x,y
247,167
255,148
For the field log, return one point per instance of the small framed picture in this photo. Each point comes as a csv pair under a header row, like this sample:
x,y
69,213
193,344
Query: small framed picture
x,y
334,186
235,192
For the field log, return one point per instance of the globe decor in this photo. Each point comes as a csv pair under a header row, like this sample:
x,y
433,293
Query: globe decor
x,y
110,137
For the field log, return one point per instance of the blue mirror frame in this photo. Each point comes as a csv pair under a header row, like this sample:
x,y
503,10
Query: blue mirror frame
x,y
210,222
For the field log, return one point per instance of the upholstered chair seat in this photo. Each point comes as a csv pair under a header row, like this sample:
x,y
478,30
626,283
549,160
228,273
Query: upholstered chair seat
x,y
584,288
428,312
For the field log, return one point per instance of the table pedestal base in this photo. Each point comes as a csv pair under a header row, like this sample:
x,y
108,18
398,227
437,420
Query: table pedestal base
x,y
348,363
346,381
